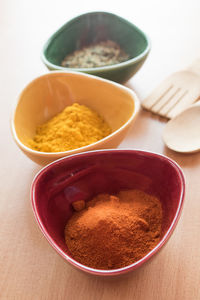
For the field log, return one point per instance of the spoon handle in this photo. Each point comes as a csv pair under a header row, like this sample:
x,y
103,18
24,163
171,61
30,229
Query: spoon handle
x,y
197,103
195,66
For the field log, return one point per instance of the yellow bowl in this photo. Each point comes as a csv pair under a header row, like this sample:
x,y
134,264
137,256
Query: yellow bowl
x,y
49,94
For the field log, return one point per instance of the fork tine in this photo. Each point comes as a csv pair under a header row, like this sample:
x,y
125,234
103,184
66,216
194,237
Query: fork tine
x,y
185,102
167,97
173,102
156,96
174,94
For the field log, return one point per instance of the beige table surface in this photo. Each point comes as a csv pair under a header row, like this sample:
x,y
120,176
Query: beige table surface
x,y
29,267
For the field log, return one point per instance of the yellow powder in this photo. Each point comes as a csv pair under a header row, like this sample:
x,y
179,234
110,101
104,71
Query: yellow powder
x,y
76,126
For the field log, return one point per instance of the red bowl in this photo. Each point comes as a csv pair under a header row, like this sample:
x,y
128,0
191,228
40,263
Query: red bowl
x,y
81,176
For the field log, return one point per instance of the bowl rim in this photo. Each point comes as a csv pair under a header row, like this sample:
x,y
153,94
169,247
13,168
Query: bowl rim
x,y
98,69
144,259
134,98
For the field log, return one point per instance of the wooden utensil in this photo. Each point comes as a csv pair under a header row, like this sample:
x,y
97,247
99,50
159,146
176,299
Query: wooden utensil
x,y
176,93
182,133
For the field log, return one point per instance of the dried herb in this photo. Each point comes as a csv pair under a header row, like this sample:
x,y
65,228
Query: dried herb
x,y
96,55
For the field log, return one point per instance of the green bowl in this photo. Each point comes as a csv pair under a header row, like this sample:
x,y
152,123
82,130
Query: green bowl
x,y
94,27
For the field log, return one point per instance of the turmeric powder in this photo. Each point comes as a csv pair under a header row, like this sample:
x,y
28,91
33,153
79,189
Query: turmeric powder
x,y
76,126
114,231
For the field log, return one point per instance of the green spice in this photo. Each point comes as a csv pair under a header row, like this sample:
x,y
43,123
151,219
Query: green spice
x,y
96,55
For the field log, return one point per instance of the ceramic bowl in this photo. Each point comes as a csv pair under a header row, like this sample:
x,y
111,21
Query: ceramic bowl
x,y
81,176
94,27
49,94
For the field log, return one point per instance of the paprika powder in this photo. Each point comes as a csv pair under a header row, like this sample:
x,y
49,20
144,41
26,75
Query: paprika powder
x,y
114,231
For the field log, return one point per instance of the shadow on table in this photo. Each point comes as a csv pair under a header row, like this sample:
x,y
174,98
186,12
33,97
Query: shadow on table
x,y
184,160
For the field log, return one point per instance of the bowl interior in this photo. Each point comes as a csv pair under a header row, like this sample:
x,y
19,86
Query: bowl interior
x,y
91,28
50,94
83,176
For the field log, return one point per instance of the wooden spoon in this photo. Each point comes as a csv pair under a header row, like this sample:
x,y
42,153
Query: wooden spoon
x,y
182,133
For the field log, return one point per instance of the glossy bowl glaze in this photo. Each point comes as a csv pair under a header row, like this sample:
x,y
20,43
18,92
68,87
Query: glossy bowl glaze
x,y
49,94
82,176
94,27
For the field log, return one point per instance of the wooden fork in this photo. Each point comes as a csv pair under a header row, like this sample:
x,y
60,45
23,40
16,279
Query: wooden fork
x,y
175,93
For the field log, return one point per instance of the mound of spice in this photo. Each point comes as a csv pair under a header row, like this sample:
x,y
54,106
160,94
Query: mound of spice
x,y
76,126
111,232
99,54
